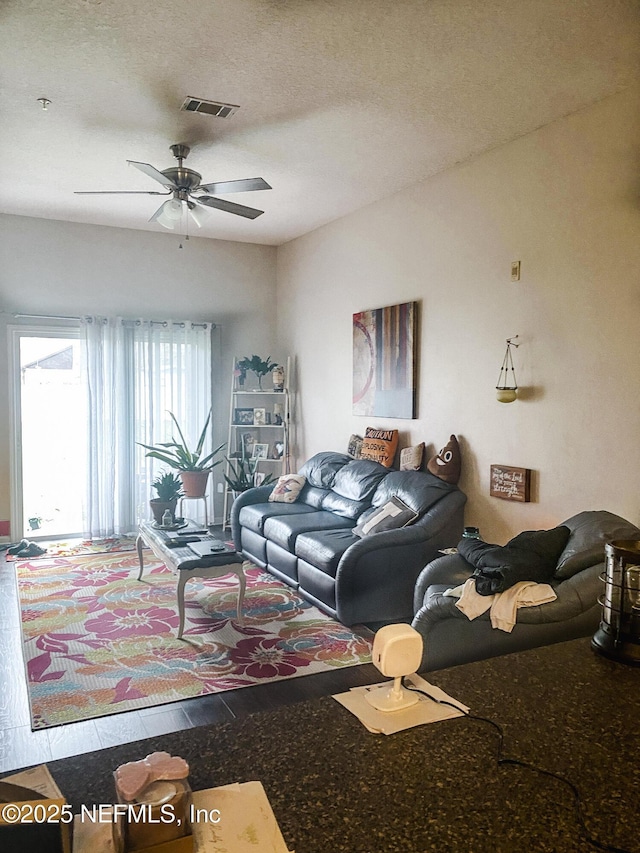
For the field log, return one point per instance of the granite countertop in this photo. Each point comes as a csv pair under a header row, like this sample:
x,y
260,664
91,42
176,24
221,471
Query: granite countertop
x,y
335,787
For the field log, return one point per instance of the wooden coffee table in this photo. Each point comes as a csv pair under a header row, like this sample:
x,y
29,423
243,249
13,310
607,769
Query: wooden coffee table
x,y
189,565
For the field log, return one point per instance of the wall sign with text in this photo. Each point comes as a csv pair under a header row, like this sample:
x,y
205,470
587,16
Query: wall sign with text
x,y
510,484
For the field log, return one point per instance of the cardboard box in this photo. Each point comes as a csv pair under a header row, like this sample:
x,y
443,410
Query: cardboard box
x,y
39,817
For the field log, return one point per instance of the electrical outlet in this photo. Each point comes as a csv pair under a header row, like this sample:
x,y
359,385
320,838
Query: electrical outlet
x,y
515,270
220,489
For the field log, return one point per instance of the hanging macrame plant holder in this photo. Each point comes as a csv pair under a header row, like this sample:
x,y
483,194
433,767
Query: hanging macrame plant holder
x,y
507,387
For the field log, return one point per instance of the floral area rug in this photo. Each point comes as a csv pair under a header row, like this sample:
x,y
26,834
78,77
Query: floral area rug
x,y
97,641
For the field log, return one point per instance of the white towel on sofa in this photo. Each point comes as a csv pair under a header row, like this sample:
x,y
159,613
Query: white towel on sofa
x,y
470,603
504,605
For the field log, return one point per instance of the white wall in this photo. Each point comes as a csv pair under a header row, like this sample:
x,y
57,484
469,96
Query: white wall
x,y
61,268
565,201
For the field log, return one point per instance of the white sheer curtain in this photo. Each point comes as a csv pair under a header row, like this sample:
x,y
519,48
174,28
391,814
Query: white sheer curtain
x,y
107,345
172,374
136,372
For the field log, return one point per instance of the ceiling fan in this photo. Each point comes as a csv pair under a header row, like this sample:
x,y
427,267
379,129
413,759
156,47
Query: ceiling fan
x,y
187,192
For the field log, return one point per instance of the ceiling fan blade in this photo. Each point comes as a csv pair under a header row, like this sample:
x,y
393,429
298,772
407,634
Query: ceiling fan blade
x,y
121,192
229,206
242,186
154,173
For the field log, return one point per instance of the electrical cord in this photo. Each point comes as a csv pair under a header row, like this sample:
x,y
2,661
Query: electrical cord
x,y
517,762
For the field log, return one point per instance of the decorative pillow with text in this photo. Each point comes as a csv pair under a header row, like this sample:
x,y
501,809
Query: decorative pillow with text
x,y
354,448
380,445
287,489
411,457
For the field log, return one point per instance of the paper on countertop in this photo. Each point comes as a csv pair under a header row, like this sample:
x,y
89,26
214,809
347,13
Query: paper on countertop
x,y
98,837
247,821
387,723
37,779
247,824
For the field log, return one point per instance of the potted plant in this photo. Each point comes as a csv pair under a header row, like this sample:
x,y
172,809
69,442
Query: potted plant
x,y
256,365
169,489
192,466
241,474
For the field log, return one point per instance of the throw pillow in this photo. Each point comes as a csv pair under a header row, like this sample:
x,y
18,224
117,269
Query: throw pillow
x,y
446,463
354,447
394,514
411,457
287,489
380,445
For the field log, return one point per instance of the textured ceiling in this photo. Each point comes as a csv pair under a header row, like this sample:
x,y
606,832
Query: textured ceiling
x,y
342,102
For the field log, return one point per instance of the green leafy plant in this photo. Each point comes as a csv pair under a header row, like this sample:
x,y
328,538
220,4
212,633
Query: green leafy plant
x,y
256,365
176,454
242,470
168,487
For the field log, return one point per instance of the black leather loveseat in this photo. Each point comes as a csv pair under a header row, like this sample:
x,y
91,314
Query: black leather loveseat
x,y
449,638
311,546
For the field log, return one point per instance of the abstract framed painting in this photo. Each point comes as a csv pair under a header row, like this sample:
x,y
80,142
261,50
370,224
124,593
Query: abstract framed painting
x,y
384,361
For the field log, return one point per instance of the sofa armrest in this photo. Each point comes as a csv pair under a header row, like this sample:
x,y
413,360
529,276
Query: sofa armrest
x,y
385,539
383,567
258,495
450,570
441,518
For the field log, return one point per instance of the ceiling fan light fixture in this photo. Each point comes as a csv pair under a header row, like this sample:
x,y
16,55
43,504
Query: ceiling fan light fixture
x,y
170,215
173,208
198,215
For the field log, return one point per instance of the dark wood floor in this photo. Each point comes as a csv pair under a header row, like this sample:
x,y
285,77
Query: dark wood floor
x,y
20,747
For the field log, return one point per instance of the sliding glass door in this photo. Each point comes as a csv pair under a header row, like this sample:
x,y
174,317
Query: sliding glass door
x,y
49,466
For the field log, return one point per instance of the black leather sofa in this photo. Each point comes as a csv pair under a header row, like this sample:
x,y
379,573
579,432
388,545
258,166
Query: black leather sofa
x,y
310,544
450,638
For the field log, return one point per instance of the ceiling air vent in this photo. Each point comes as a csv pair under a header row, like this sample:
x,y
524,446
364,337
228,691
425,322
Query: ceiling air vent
x,y
210,108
